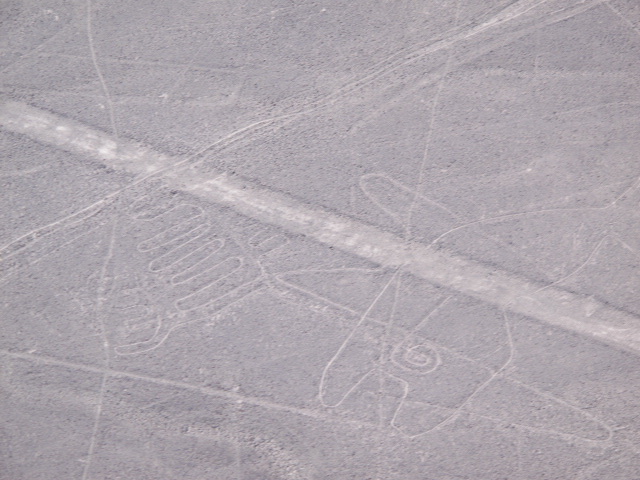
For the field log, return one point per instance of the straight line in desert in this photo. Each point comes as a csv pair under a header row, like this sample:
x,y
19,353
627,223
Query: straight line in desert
x,y
580,314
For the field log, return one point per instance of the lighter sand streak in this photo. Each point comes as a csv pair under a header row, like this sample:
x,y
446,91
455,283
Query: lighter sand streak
x,y
583,315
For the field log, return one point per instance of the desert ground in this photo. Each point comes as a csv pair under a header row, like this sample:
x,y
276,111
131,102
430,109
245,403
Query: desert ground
x,y
300,240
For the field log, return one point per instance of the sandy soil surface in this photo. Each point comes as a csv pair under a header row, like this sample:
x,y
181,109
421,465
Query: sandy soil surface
x,y
320,240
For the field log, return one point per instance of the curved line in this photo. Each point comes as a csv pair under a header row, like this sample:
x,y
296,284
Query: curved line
x,y
481,221
581,267
94,59
344,344
484,385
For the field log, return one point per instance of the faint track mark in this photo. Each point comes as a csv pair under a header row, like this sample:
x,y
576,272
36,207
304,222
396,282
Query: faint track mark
x,y
96,65
209,391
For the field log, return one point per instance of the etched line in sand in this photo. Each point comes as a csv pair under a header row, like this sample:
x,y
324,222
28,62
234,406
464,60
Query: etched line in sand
x,y
586,316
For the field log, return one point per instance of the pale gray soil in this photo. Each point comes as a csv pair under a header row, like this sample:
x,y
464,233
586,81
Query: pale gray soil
x,y
422,262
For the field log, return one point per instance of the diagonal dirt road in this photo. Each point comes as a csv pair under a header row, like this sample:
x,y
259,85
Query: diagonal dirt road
x,y
580,314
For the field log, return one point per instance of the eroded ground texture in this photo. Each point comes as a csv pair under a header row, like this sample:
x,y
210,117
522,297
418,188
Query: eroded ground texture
x,y
320,239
